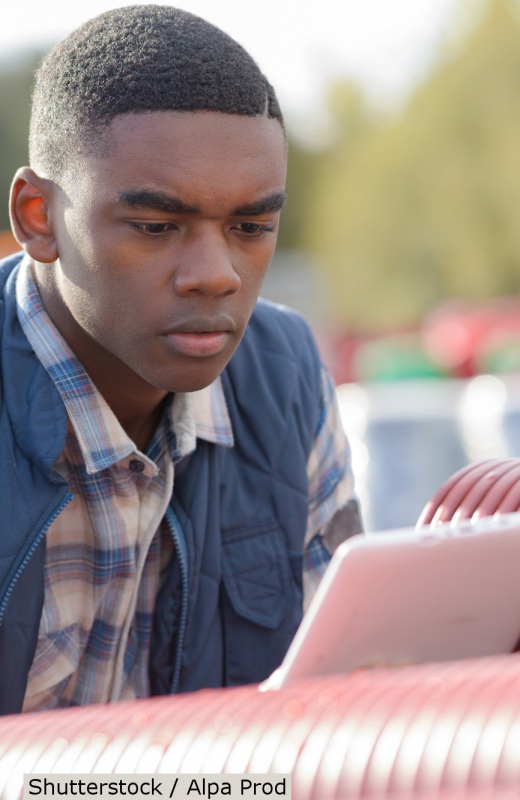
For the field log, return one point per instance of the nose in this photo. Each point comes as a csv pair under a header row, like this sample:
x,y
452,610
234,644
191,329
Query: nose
x,y
206,267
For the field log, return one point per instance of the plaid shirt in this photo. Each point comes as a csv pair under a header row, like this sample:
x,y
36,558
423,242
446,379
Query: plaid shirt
x,y
106,550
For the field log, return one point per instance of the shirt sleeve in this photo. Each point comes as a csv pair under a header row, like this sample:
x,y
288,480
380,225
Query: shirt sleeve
x,y
334,513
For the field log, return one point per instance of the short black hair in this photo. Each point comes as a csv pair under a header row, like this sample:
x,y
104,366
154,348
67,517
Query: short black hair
x,y
138,59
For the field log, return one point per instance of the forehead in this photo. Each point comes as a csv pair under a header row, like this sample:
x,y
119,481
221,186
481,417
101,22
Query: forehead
x,y
189,153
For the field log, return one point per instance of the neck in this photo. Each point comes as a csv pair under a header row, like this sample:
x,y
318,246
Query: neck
x,y
138,415
137,405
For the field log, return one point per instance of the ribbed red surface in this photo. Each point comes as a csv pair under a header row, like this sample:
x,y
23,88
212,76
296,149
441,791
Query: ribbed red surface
x,y
449,731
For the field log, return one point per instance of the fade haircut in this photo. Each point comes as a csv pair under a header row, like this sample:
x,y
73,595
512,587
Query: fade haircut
x,y
133,60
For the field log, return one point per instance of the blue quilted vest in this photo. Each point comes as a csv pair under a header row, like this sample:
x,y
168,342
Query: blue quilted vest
x,y
232,601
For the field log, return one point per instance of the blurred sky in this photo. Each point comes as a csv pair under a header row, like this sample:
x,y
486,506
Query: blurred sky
x,y
386,45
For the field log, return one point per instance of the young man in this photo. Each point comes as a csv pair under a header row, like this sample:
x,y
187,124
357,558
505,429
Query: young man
x,y
172,456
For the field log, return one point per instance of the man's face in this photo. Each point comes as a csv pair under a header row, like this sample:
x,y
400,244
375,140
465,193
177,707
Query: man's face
x,y
164,241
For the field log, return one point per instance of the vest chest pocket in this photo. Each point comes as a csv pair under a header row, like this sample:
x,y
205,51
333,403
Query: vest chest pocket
x,y
262,579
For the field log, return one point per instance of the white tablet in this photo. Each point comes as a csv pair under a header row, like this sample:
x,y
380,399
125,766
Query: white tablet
x,y
401,597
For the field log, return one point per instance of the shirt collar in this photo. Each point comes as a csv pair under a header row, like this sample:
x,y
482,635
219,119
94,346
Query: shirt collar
x,y
202,414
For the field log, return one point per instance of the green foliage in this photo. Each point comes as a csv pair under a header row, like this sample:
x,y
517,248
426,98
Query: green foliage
x,y
16,80
424,206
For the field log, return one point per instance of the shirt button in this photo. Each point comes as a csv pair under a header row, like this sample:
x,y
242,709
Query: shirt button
x,y
136,465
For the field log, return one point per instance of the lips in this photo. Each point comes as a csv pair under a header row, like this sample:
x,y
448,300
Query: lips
x,y
199,345
201,337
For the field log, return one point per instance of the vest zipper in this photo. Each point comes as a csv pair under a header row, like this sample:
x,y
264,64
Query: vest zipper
x,y
30,552
182,554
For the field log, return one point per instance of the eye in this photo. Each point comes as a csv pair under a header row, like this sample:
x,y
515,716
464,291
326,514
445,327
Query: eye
x,y
154,228
254,228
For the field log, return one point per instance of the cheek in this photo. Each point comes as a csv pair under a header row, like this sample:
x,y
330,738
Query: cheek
x,y
252,269
74,232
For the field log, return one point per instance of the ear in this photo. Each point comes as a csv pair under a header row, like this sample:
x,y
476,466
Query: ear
x,y
30,218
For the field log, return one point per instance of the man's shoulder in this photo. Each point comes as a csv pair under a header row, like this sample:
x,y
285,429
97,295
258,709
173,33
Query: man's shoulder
x,y
269,311
277,356
7,265
279,328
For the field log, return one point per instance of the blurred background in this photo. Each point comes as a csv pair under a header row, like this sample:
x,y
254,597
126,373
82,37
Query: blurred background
x,y
400,242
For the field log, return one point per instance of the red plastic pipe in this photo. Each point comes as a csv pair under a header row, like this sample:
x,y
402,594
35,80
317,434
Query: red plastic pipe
x,y
437,731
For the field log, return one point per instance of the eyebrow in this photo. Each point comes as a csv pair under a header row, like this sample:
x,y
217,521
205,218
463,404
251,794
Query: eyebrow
x,y
143,198
273,202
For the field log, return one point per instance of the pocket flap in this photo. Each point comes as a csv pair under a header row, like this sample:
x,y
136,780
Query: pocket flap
x,y
257,574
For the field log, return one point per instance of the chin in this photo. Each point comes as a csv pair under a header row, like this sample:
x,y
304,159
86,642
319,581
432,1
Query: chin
x,y
184,383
